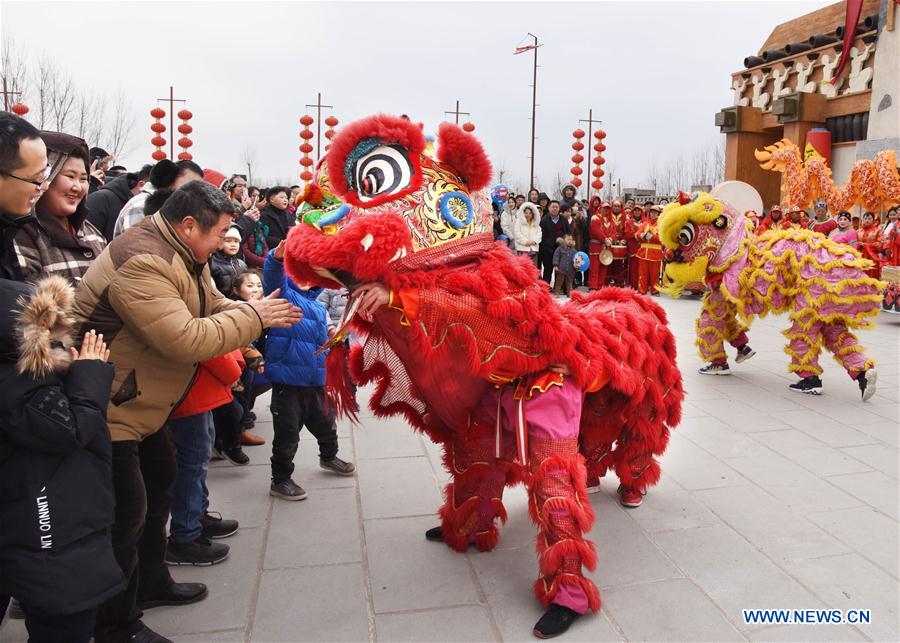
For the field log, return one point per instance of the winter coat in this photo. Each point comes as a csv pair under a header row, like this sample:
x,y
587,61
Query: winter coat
x,y
581,231
548,232
568,201
45,248
224,269
161,315
132,213
563,258
527,237
335,301
56,494
104,205
212,387
254,246
290,352
276,224
9,261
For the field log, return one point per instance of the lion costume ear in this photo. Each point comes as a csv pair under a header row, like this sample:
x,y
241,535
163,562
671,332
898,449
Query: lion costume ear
x,y
464,153
376,160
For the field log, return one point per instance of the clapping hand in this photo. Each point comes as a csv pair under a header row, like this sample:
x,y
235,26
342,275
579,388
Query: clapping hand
x,y
93,347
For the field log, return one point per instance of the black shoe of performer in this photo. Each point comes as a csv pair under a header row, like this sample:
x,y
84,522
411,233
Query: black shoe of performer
x,y
555,621
435,534
866,381
811,385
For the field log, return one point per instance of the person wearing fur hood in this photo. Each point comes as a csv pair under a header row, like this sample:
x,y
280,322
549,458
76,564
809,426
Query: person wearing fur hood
x,y
527,230
56,495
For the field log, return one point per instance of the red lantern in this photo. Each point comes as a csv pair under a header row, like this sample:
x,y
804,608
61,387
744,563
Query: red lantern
x,y
600,134
157,112
329,134
306,175
185,142
597,184
306,134
577,146
577,170
468,127
576,182
185,129
599,147
579,133
599,160
597,172
185,156
19,109
306,161
331,121
158,141
306,148
577,158
185,115
306,120
158,155
158,127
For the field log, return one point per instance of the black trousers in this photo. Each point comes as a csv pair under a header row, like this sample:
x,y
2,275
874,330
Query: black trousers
x,y
294,407
545,263
227,420
44,627
143,479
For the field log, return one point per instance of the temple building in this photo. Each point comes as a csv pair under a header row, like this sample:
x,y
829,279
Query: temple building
x,y
788,90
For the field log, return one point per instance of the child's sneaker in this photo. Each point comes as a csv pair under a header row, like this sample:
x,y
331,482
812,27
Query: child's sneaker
x,y
630,497
236,456
744,353
715,369
338,466
287,490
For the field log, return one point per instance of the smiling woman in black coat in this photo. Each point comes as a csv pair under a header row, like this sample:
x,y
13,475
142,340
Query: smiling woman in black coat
x,y
56,495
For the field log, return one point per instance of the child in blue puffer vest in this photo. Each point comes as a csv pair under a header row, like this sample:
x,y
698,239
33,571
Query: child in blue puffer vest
x,y
298,382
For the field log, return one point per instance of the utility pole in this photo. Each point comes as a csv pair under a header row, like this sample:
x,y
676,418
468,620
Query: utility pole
x,y
171,100
318,105
520,50
458,113
8,93
590,155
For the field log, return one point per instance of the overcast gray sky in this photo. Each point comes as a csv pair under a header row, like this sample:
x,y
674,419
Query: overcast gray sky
x,y
654,72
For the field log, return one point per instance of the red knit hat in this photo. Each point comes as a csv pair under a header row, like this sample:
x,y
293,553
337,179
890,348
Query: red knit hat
x,y
214,178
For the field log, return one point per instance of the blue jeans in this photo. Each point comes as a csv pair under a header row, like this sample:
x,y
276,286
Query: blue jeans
x,y
193,437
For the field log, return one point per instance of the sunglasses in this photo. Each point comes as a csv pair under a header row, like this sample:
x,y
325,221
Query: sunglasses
x,y
40,184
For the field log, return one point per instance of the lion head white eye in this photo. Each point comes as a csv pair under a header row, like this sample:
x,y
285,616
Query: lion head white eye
x,y
686,234
384,170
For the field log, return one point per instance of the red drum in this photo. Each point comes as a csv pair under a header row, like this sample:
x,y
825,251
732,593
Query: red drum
x,y
619,252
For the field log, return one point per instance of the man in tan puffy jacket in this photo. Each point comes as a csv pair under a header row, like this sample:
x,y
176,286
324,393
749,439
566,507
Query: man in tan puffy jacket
x,y
151,295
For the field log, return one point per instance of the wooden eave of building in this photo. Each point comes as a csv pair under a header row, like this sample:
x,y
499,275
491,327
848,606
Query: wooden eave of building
x,y
746,73
824,21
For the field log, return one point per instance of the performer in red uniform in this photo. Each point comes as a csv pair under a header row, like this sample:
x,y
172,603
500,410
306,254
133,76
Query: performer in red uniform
x,y
631,228
870,243
603,235
649,254
823,221
773,221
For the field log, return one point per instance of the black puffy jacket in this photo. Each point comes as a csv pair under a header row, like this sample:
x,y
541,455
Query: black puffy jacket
x,y
104,205
224,269
56,494
276,224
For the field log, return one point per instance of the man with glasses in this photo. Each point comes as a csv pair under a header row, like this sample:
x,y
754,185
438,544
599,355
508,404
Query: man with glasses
x,y
24,176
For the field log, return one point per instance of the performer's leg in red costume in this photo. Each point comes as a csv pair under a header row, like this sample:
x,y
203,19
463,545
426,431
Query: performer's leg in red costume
x,y
847,351
596,273
474,498
557,500
655,272
804,347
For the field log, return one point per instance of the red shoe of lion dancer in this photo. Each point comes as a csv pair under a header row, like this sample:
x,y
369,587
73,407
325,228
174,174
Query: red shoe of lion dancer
x,y
464,340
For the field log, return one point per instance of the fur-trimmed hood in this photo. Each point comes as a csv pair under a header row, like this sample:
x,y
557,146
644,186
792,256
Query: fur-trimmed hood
x,y
36,328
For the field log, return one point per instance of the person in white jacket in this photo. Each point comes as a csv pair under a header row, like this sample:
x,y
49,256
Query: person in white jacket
x,y
527,231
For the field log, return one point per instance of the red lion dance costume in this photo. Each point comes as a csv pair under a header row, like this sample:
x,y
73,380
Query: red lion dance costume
x,y
473,350
820,283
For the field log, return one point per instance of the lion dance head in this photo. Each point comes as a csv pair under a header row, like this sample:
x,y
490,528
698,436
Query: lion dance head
x,y
382,197
694,231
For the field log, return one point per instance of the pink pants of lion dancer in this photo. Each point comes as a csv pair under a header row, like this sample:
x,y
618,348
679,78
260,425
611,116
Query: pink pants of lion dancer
x,y
805,345
718,324
555,477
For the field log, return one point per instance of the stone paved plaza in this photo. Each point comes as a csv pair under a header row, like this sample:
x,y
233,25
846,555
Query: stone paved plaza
x,y
769,499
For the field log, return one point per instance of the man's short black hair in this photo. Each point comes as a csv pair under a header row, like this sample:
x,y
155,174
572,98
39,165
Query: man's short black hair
x,y
552,202
13,130
294,186
276,189
565,207
197,199
649,204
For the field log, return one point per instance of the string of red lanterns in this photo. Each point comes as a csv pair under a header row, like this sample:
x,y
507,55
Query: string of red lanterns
x,y
184,129
577,158
158,127
306,147
598,172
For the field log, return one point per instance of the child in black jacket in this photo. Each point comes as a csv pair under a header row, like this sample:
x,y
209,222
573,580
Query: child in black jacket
x,y
56,495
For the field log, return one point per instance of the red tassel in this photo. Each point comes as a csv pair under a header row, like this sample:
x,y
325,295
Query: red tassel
x,y
339,392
